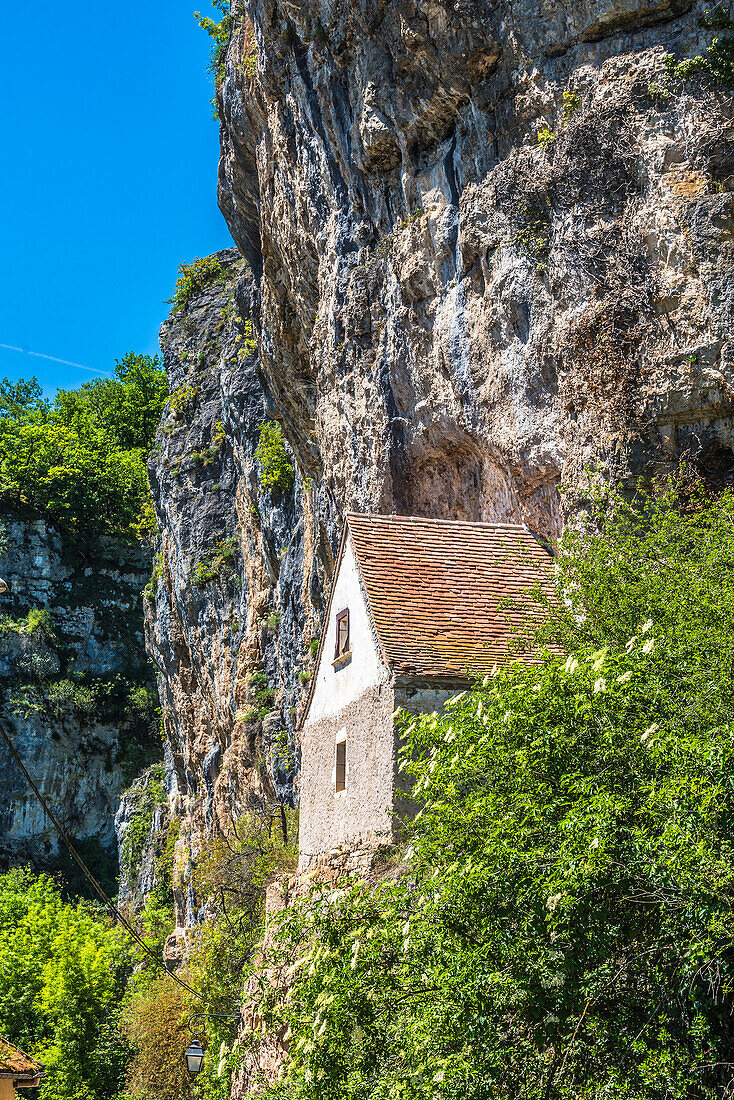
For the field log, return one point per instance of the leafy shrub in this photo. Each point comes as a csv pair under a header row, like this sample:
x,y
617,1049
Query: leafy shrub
x,y
276,469
109,698
145,526
217,564
194,278
250,55
37,622
248,345
64,695
715,66
563,924
149,592
532,231
182,400
210,454
261,694
249,715
571,104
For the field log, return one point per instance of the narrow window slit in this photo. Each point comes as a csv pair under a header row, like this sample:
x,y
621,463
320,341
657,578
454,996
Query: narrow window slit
x,y
341,766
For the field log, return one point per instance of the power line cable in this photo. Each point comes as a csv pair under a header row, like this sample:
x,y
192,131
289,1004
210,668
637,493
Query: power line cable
x,y
88,874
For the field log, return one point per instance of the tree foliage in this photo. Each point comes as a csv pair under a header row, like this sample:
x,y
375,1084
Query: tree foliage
x,y
81,459
62,972
276,468
219,31
154,1022
564,919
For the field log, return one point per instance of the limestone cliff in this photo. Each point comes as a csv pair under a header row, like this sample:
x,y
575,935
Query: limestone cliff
x,y
238,570
489,245
76,691
455,317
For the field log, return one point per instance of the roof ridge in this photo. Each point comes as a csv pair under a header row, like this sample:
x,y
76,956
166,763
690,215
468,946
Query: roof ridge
x,y
393,518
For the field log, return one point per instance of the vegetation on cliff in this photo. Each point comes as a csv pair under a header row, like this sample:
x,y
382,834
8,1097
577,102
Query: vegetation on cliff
x,y
219,31
559,923
563,923
195,277
80,460
276,468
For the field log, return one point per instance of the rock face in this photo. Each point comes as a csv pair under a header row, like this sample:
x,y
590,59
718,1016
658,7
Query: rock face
x,y
454,316
76,690
230,621
491,245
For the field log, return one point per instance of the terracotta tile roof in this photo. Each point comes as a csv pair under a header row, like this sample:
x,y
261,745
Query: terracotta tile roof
x,y
435,587
14,1063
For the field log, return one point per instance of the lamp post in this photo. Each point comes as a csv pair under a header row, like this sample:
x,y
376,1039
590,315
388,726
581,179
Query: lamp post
x,y
194,1056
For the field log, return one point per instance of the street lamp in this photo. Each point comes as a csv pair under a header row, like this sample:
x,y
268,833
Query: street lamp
x,y
194,1058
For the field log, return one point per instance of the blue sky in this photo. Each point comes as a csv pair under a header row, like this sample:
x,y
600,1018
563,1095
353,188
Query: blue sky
x,y
108,179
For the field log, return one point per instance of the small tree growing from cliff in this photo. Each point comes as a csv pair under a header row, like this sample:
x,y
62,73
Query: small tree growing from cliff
x,y
276,469
219,31
193,278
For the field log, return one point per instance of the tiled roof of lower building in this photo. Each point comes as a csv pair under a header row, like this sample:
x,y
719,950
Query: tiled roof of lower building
x,y
14,1063
437,587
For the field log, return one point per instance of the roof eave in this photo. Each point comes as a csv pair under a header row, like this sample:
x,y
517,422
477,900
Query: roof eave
x,y
322,640
432,679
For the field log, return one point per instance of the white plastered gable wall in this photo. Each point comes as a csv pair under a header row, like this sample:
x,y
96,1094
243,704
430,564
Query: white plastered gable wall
x,y
352,702
335,688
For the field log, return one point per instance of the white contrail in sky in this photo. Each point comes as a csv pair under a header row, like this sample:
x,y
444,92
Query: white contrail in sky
x,y
53,358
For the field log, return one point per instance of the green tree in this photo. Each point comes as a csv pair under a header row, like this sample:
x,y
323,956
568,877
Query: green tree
x,y
219,32
19,398
82,460
127,408
62,972
276,468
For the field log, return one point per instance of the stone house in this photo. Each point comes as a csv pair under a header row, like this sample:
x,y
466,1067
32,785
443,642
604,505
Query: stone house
x,y
417,608
17,1071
